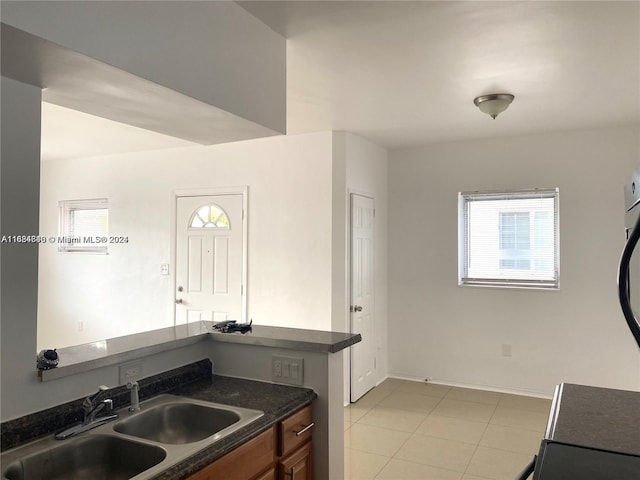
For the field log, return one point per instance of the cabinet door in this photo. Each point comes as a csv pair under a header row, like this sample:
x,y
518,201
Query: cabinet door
x,y
244,462
297,466
268,475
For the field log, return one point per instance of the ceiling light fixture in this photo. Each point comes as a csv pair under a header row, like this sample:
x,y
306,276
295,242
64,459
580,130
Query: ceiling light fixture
x,y
494,103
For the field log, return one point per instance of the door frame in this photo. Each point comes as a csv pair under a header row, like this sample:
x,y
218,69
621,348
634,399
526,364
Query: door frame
x,y
347,364
205,192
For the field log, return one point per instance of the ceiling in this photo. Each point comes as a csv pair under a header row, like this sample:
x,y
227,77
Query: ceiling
x,y
69,134
404,74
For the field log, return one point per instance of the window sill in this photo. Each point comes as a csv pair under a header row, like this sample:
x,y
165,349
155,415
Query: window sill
x,y
511,287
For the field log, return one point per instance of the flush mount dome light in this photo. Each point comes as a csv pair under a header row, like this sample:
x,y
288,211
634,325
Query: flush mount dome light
x,y
494,103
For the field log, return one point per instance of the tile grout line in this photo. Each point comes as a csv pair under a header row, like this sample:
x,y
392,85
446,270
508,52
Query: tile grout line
x,y
382,468
410,433
426,465
481,437
430,414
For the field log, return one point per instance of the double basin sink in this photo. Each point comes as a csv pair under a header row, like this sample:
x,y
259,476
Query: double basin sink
x,y
138,445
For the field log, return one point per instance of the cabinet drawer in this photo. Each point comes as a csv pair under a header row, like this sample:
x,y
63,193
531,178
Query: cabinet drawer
x,y
295,430
244,462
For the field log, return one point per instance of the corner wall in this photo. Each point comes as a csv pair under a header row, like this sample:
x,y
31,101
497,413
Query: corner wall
x,y
360,167
20,173
454,334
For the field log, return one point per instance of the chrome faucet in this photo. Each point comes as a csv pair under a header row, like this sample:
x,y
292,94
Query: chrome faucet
x,y
90,416
91,407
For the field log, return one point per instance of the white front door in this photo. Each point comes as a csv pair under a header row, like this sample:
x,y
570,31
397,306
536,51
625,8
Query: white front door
x,y
209,258
363,354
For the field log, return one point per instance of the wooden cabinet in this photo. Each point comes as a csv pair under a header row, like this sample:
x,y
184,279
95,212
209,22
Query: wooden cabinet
x,y
268,475
281,453
294,446
296,465
245,462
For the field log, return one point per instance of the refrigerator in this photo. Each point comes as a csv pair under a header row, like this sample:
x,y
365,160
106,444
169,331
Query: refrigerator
x,y
629,267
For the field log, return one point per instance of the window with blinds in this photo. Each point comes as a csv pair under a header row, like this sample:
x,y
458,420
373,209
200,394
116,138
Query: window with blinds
x,y
83,226
509,239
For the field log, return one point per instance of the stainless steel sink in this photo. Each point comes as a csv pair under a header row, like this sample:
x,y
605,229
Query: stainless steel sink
x,y
87,458
178,423
140,445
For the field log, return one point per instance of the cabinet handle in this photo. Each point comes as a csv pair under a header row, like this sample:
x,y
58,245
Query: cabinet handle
x,y
300,432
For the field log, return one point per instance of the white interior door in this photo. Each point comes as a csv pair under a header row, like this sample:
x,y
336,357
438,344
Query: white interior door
x,y
363,358
209,258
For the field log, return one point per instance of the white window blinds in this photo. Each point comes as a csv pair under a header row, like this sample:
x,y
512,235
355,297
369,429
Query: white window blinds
x,y
509,238
83,225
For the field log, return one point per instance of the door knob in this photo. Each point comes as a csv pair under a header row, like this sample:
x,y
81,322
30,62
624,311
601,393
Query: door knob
x,y
178,300
356,308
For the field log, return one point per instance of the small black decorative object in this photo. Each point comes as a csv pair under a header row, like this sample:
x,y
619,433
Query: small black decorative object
x,y
47,359
230,326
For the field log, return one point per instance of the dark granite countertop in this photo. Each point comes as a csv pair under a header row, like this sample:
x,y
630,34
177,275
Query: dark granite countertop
x,y
595,417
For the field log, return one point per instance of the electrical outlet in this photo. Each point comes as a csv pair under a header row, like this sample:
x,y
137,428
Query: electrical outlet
x,y
506,349
287,370
130,372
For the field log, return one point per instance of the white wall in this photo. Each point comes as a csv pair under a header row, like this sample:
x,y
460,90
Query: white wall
x,y
290,225
215,52
359,166
454,334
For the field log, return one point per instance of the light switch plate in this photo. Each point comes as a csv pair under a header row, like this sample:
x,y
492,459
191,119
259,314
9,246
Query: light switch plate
x,y
287,370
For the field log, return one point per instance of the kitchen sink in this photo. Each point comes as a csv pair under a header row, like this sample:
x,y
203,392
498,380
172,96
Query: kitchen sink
x,y
139,445
92,457
178,423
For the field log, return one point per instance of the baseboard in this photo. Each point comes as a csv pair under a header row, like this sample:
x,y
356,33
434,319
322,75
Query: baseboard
x,y
489,388
347,403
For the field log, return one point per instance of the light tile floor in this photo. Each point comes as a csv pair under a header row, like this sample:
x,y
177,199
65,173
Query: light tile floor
x,y
404,430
